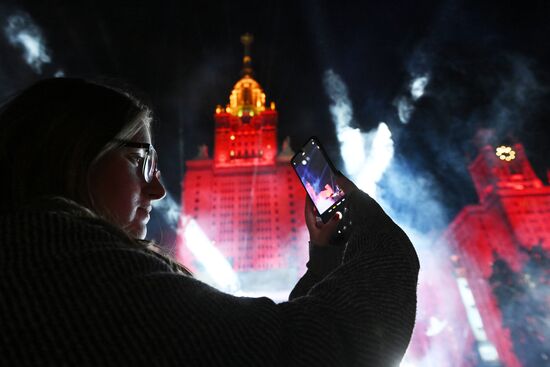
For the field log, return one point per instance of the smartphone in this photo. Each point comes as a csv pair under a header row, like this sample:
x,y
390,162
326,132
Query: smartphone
x,y
318,176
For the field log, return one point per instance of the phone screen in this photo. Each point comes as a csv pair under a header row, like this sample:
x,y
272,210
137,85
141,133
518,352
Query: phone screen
x,y
317,174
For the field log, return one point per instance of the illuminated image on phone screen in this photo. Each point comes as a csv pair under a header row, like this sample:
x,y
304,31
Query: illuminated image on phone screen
x,y
317,176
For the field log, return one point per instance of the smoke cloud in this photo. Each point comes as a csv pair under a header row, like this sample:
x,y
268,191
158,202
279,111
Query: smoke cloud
x,y
418,86
409,197
169,209
366,155
469,85
23,33
406,103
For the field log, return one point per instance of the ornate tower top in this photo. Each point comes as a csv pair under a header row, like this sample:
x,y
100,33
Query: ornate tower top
x,y
501,168
246,129
247,99
246,40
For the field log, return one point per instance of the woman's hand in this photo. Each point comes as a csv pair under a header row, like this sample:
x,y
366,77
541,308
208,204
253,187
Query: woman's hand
x,y
320,233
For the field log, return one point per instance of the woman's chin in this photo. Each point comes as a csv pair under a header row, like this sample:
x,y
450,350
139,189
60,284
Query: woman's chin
x,y
138,227
138,231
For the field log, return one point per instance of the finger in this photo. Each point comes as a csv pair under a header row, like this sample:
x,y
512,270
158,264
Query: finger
x,y
319,222
309,212
321,235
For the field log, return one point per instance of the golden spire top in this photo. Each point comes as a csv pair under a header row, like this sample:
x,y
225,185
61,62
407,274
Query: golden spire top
x,y
246,40
247,97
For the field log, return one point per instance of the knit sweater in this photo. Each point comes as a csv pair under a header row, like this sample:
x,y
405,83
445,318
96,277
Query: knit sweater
x,y
73,293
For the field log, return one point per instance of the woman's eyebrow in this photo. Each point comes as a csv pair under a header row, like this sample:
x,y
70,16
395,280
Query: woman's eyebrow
x,y
125,142
136,150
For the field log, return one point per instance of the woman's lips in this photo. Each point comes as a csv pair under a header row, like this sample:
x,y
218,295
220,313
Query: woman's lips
x,y
144,212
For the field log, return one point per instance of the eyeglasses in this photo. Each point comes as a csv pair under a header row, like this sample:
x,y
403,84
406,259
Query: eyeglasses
x,y
149,167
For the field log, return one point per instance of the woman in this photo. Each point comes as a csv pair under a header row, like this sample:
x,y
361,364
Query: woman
x,y
77,287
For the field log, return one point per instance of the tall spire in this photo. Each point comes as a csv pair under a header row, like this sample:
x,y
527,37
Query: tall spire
x,y
246,40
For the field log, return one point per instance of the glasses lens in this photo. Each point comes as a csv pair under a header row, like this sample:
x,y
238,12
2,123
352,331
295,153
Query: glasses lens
x,y
147,168
150,165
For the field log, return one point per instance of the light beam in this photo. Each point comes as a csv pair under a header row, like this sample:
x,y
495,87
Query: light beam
x,y
215,264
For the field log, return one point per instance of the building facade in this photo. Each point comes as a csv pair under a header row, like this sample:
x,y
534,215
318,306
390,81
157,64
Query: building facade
x,y
246,198
498,250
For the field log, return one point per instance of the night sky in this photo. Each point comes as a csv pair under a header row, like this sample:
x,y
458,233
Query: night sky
x,y
488,64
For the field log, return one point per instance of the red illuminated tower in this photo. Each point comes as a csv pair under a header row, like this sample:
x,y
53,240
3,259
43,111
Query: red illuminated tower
x,y
246,199
491,241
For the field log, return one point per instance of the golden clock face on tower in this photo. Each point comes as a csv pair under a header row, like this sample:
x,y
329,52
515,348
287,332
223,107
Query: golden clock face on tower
x,y
505,153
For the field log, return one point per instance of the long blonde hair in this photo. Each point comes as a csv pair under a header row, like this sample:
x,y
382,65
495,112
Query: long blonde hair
x,y
53,132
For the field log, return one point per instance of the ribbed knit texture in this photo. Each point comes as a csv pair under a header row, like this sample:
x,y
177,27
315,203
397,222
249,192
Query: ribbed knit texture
x,y
74,294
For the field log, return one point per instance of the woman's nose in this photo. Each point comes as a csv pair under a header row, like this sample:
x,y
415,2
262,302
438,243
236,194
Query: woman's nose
x,y
156,188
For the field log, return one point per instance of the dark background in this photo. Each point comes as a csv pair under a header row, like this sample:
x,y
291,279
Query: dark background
x,y
488,62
